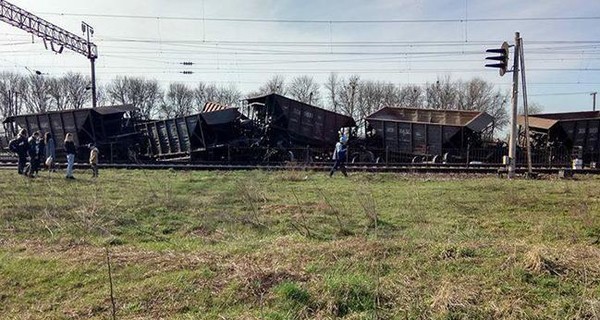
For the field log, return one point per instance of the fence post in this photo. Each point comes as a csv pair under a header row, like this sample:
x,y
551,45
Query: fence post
x,y
387,154
468,154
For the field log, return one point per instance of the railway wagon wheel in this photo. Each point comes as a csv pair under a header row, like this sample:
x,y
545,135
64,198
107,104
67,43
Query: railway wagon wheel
x,y
363,157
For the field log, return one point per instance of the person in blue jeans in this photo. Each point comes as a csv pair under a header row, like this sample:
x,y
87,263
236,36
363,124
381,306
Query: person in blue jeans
x,y
339,155
70,150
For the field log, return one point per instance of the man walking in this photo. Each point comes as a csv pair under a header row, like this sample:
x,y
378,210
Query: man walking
x,y
339,155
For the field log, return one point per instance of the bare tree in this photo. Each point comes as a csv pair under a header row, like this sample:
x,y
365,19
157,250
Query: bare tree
x,y
370,98
146,95
477,94
441,94
532,108
411,96
305,89
204,93
57,93
12,88
347,96
77,90
36,95
179,101
332,86
275,84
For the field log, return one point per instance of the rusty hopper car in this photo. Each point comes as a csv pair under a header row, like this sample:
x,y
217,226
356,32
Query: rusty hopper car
x,y
206,135
407,132
290,123
110,128
560,134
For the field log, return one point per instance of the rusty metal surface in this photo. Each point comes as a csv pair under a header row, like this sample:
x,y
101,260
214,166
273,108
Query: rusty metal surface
x,y
432,116
182,136
299,122
106,127
426,131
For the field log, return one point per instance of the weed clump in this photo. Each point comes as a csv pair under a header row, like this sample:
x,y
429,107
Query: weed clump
x,y
536,262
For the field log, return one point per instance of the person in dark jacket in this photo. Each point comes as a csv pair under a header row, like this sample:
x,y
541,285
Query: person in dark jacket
x,y
20,146
70,150
33,154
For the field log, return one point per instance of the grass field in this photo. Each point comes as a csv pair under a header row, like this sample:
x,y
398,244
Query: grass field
x,y
296,245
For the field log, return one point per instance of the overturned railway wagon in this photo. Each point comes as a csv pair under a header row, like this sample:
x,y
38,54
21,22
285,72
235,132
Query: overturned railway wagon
x,y
557,137
290,123
111,129
206,135
406,132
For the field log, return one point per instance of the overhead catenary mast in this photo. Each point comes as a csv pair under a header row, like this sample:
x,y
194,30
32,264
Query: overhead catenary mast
x,y
53,34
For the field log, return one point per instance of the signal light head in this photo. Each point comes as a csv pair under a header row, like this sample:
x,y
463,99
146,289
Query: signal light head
x,y
502,58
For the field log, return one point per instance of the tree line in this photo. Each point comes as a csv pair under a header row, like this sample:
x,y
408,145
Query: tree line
x,y
350,95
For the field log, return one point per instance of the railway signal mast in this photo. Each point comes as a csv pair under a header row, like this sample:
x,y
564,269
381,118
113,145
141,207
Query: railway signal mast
x,y
49,32
502,65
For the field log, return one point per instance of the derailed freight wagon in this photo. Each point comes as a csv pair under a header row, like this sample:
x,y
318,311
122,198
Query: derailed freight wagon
x,y
410,135
293,130
208,136
557,138
111,129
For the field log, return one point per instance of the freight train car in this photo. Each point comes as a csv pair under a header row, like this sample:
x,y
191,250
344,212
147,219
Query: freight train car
x,y
407,134
559,137
207,136
111,129
293,128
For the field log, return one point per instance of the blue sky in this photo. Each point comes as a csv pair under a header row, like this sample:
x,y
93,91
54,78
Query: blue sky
x,y
246,54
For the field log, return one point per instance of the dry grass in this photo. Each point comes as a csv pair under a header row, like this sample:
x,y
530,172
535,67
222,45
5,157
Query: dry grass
x,y
255,246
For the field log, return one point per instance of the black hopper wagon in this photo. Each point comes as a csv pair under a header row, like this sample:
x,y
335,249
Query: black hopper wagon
x,y
111,129
558,138
212,135
410,135
290,130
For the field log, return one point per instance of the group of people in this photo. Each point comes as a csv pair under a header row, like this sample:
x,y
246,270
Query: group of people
x,y
39,150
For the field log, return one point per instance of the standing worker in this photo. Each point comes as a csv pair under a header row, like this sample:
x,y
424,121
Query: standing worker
x,y
94,160
71,150
20,146
339,155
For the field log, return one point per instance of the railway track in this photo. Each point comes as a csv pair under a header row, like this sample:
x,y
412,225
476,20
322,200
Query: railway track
x,y
394,168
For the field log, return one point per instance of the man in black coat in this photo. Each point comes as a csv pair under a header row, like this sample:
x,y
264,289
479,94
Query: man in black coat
x,y
20,146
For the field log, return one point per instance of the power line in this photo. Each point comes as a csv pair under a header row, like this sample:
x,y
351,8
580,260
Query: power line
x,y
560,94
309,21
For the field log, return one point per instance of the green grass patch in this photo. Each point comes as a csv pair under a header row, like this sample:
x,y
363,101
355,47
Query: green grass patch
x,y
298,245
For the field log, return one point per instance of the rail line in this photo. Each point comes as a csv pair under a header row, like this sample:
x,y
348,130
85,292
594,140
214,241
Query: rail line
x,y
392,168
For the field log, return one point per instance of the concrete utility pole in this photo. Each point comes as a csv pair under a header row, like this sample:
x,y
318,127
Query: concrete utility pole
x,y
512,147
593,94
525,108
88,30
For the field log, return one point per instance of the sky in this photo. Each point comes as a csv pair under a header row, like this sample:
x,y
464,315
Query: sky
x,y
244,43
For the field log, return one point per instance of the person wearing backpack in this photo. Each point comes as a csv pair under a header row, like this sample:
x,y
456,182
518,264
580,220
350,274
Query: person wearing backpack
x,y
339,155
20,146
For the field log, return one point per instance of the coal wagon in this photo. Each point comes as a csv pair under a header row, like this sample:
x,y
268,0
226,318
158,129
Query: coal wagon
x,y
110,128
558,138
295,129
410,134
208,136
